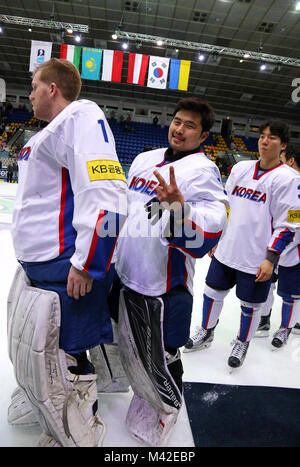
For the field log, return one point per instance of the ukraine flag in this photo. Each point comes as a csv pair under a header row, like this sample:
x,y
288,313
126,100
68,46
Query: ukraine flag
x,y
179,74
91,62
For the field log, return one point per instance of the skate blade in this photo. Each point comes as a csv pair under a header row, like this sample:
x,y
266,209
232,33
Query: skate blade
x,y
233,369
201,347
276,349
262,334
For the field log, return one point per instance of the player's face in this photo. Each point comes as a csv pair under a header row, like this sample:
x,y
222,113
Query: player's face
x,y
270,146
185,131
290,162
40,98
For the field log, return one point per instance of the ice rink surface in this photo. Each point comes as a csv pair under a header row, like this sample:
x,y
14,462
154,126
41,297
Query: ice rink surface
x,y
262,367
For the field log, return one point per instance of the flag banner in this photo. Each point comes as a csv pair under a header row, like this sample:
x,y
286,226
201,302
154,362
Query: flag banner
x,y
158,72
91,63
2,90
40,53
179,74
71,53
112,65
137,68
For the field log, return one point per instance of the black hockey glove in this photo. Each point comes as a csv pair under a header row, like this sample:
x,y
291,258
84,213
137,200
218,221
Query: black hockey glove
x,y
154,209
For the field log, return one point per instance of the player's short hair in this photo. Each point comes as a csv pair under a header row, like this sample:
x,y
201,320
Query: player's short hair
x,y
202,108
292,151
277,128
64,74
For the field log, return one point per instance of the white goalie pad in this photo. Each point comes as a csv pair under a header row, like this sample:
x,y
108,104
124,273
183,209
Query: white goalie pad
x,y
108,366
147,425
110,378
142,352
20,411
60,400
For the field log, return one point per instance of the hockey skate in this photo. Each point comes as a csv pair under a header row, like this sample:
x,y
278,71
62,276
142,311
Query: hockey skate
x,y
296,329
263,329
238,354
202,339
280,337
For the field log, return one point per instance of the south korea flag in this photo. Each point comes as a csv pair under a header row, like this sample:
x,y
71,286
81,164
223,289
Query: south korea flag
x,y
158,72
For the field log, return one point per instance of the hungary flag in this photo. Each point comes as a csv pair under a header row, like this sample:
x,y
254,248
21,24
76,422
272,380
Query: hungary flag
x,y
71,53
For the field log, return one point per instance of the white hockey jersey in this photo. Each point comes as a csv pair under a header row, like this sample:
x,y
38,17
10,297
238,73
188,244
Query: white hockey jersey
x,y
264,215
149,263
70,184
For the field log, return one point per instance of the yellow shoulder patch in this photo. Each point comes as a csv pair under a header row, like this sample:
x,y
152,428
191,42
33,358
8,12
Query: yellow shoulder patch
x,y
227,212
294,215
105,169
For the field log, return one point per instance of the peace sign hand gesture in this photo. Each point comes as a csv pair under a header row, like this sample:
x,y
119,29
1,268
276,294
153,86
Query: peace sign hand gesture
x,y
169,195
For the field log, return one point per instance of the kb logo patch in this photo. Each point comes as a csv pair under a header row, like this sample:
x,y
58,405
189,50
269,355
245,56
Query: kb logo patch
x,y
105,169
293,216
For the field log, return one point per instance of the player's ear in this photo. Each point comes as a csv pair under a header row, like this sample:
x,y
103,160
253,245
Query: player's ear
x,y
53,89
283,147
204,136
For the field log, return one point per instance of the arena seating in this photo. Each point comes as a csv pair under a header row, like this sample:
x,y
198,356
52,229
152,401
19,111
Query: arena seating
x,y
132,140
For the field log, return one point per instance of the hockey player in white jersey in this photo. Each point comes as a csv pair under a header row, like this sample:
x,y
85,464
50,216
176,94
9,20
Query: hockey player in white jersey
x,y
264,215
288,276
177,212
70,204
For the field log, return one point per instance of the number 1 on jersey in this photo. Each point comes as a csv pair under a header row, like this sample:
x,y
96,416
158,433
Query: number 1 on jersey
x,y
103,130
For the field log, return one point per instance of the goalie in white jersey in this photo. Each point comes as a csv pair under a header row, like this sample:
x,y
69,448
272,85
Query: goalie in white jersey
x,y
177,212
264,215
70,204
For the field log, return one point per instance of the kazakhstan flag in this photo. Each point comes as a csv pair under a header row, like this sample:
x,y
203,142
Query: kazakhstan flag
x,y
91,62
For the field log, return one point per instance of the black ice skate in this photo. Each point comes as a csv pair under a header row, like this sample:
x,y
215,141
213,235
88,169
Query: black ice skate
x,y
264,327
280,337
201,339
238,354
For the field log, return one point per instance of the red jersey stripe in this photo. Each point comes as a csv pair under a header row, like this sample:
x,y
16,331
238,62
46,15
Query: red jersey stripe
x,y
94,241
169,270
64,176
202,232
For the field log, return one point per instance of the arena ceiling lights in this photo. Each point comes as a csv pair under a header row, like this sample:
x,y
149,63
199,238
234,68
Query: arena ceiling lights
x,y
209,49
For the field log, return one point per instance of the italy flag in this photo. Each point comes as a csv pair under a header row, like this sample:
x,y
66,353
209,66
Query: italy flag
x,y
71,53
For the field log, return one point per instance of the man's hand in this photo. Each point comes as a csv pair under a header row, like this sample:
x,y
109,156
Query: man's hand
x,y
169,195
79,283
265,271
212,251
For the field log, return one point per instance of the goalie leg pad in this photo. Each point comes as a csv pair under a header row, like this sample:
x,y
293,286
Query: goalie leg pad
x,y
46,441
108,366
20,410
142,351
41,368
147,425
